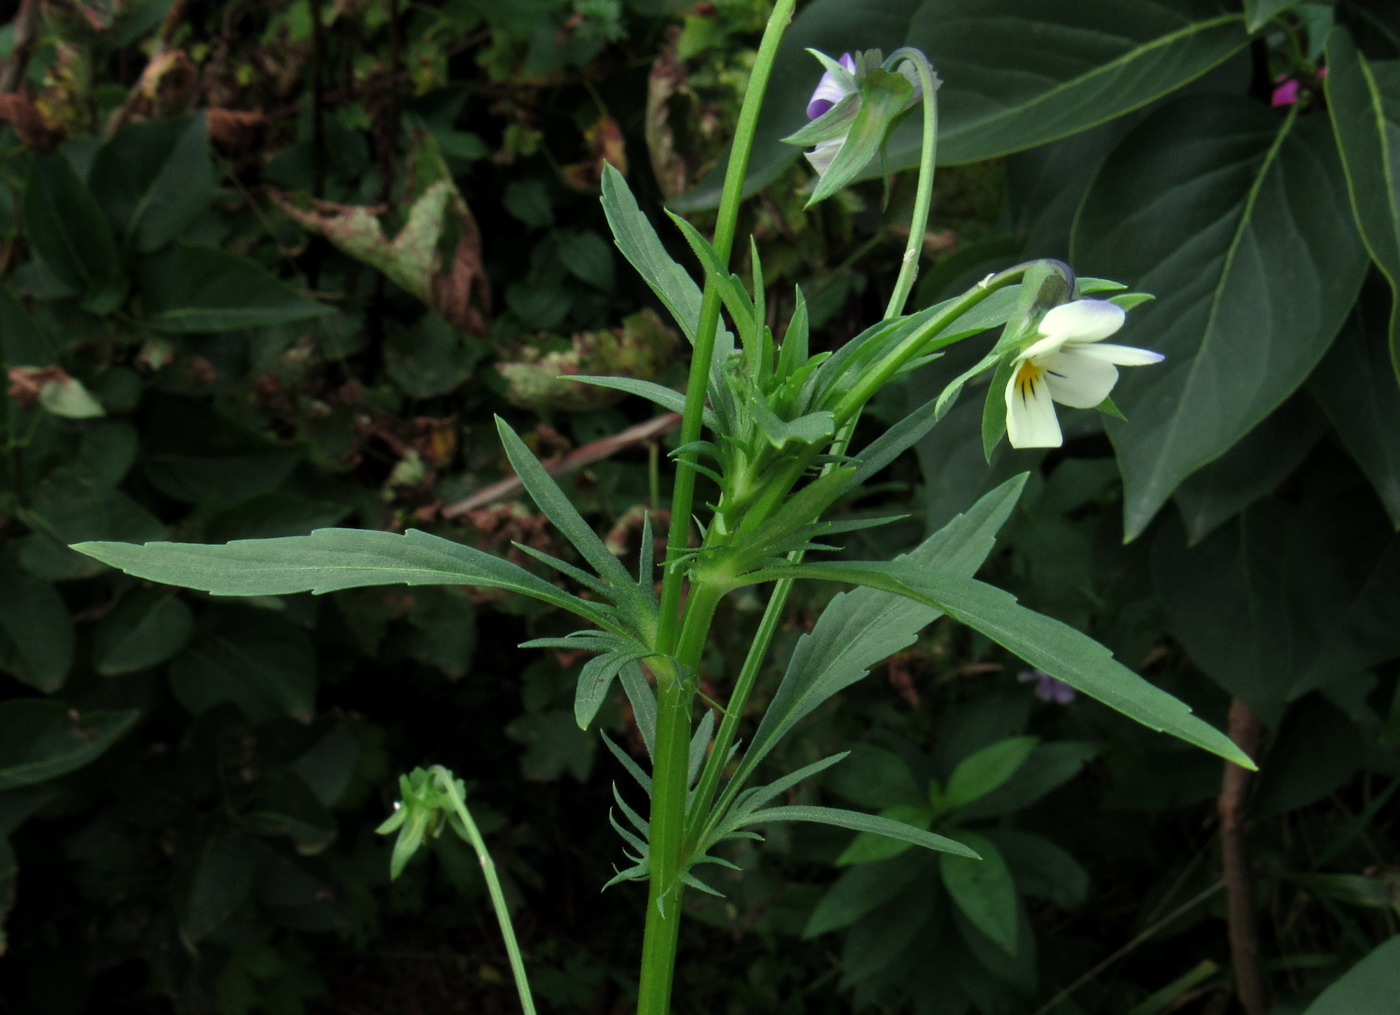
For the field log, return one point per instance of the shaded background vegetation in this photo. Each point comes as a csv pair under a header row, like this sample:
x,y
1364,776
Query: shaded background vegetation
x,y
273,266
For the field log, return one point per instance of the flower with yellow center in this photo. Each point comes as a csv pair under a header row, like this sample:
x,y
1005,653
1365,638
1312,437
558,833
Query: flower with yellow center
x,y
1068,363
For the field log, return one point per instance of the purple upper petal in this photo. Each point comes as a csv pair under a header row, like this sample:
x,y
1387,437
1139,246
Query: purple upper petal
x,y
829,91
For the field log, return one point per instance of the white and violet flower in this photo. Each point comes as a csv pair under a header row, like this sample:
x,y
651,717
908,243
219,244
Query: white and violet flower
x,y
1068,363
831,89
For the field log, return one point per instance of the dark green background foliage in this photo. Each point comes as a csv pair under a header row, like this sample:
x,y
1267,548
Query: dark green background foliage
x,y
269,267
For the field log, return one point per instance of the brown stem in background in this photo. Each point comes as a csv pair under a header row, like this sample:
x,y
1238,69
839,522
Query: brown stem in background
x,y
318,127
168,27
390,125
574,460
26,32
1238,875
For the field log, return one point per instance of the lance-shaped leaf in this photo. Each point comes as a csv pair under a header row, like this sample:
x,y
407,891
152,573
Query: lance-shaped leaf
x,y
862,627
641,346
1017,73
154,179
595,680
1237,217
1042,641
668,398
858,822
328,560
637,240
561,511
66,227
984,891
1363,98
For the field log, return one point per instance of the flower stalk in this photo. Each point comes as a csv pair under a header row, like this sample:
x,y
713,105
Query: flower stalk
x,y
671,763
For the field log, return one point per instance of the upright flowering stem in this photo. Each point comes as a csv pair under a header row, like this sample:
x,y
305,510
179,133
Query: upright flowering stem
x,y
725,737
683,495
777,601
684,640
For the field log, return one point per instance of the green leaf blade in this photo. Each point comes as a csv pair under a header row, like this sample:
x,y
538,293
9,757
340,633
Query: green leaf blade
x,y
561,511
43,739
1363,101
1017,73
637,239
860,628
984,771
326,560
67,228
1042,641
1218,205
855,821
985,891
203,290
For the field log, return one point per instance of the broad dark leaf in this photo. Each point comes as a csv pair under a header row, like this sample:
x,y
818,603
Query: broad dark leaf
x,y
1015,74
1363,99
197,290
1235,216
43,739
154,179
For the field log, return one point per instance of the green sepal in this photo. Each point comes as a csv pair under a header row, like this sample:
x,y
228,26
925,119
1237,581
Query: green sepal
x,y
994,408
835,122
884,95
1109,408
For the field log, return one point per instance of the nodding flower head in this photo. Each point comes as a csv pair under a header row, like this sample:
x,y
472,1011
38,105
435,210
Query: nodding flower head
x,y
850,114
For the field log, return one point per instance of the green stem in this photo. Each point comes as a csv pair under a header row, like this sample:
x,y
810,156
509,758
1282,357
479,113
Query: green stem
x,y
671,762
877,377
923,198
773,613
683,494
493,887
670,782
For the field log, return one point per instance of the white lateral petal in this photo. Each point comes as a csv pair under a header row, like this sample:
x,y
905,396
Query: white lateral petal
x,y
1083,320
1080,382
1123,355
1030,414
821,156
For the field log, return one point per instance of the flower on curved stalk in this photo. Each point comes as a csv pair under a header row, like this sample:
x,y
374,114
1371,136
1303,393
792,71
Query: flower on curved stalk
x,y
856,103
830,90
1070,363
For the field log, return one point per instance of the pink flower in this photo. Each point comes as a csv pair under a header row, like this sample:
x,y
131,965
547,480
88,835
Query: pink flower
x,y
1287,90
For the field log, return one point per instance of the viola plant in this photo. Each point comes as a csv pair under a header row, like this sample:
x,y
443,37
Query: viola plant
x,y
765,456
